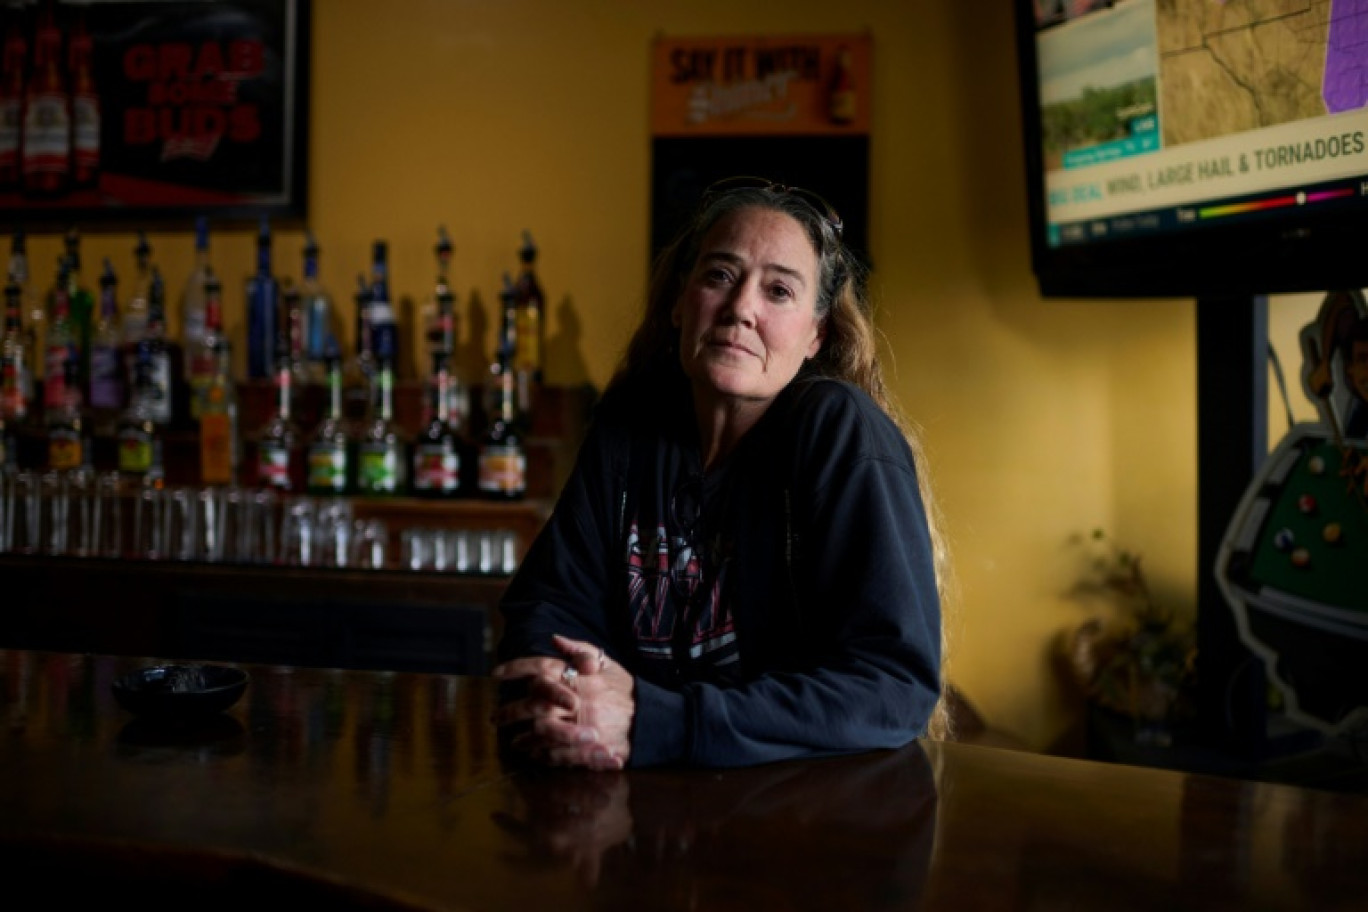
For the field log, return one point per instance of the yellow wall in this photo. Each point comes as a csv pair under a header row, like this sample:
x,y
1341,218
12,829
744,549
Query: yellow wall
x,y
1044,418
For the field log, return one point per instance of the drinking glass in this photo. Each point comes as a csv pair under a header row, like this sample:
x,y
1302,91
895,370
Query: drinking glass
x,y
370,544
508,551
107,523
298,533
7,509
180,507
51,509
81,499
211,524
484,551
461,560
149,524
334,532
416,549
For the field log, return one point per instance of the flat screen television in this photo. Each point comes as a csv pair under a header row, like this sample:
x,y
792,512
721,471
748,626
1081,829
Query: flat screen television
x,y
1195,147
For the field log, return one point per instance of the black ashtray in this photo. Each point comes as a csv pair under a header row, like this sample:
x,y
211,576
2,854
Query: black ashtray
x,y
180,692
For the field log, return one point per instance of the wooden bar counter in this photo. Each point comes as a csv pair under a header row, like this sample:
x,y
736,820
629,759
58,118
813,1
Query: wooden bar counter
x,y
384,790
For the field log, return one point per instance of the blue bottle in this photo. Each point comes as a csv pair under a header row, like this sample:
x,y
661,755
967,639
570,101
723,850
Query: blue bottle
x,y
263,310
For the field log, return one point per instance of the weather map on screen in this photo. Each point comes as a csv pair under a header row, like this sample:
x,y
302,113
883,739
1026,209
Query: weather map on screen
x,y
1160,115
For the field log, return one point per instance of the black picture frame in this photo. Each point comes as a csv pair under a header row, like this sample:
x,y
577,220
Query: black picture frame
x,y
203,110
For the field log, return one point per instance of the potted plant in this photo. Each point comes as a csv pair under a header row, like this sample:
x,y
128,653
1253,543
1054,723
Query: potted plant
x,y
1133,656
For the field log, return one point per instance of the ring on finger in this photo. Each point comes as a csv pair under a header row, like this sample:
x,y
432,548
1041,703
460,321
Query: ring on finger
x,y
569,675
602,659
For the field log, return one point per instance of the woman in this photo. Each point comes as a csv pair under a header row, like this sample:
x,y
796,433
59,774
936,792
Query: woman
x,y
741,567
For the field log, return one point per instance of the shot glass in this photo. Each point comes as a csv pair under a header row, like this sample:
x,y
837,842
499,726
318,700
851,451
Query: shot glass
x,y
416,549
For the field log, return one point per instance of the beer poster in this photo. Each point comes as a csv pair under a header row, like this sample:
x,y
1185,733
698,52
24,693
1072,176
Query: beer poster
x,y
795,109
131,109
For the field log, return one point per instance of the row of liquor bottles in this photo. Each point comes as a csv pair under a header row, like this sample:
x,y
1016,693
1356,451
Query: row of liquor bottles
x,y
104,337
336,456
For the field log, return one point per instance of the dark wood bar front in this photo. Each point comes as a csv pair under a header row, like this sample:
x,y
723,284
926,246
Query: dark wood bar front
x,y
364,789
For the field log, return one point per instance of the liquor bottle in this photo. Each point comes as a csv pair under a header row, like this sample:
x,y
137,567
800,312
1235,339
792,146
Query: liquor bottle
x,y
16,389
359,375
384,330
138,439
45,154
203,357
106,355
507,340
502,468
440,331
438,449
85,108
135,315
320,325
292,306
12,99
36,323
68,432
82,304
218,413
163,356
330,446
439,316
280,452
530,310
60,343
381,466
263,310
192,298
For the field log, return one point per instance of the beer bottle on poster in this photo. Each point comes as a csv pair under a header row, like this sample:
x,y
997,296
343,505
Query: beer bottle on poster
x,y
842,98
192,297
438,449
85,108
280,453
45,150
502,469
263,310
15,53
106,354
330,449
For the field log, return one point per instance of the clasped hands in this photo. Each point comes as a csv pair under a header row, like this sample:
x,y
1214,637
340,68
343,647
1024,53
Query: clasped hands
x,y
579,706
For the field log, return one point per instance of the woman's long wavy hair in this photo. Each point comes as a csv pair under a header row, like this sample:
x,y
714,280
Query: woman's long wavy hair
x,y
849,350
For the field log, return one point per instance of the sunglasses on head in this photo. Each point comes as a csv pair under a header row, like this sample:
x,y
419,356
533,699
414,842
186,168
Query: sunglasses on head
x,y
817,204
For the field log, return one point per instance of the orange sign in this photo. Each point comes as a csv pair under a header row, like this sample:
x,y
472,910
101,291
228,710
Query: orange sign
x,y
761,86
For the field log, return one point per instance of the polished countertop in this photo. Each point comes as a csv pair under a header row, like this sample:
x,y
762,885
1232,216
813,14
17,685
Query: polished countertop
x,y
385,790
